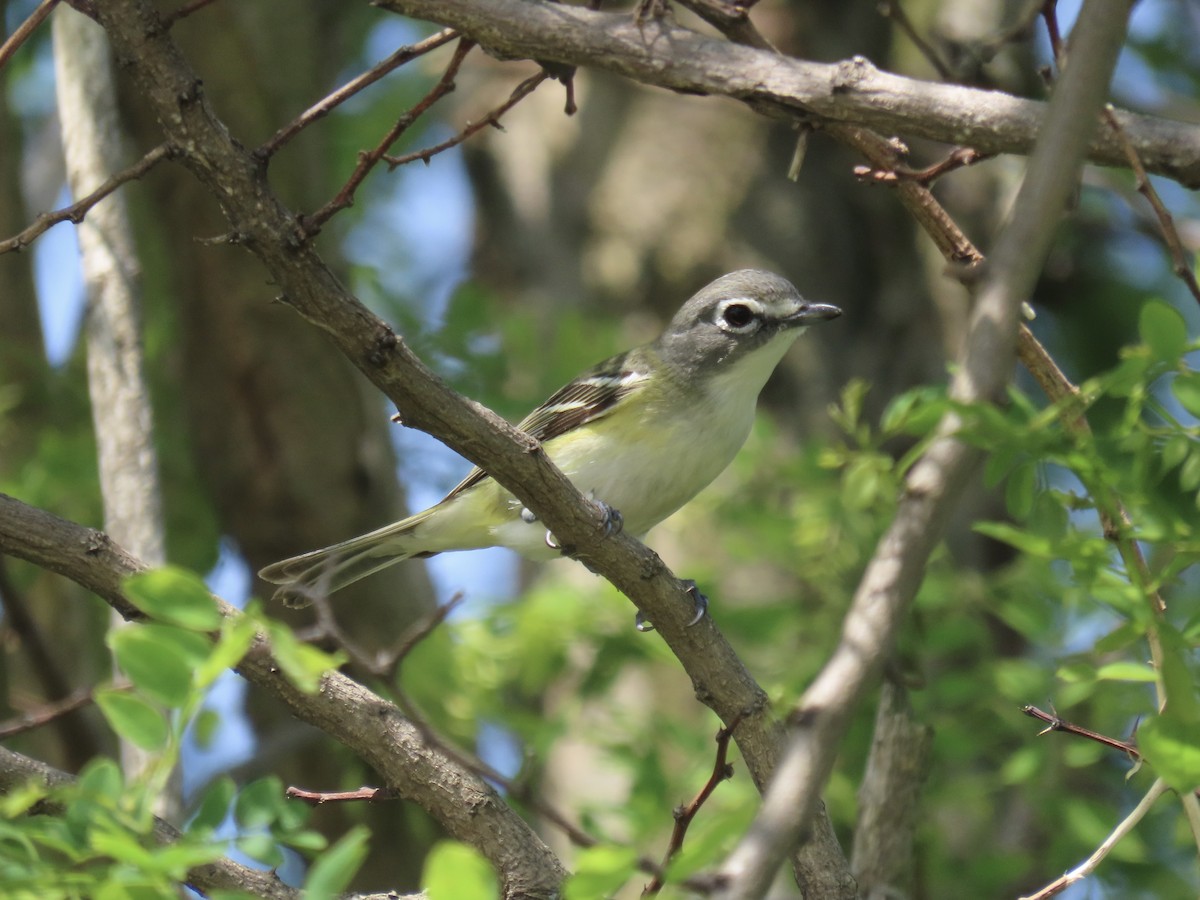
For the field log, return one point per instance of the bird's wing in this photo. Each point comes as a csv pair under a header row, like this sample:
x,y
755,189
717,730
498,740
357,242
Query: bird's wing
x,y
589,397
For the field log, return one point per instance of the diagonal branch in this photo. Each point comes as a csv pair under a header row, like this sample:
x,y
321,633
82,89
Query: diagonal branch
x,y
77,210
235,177
932,487
463,804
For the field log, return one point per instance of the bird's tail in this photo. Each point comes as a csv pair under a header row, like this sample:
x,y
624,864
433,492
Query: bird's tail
x,y
320,572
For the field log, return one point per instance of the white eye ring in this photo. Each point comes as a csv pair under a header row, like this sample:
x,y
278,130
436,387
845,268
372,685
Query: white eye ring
x,y
739,315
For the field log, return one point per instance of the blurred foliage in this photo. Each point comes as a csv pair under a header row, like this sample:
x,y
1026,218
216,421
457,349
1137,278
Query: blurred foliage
x,y
96,836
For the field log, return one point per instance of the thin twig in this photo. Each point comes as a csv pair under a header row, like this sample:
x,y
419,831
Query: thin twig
x,y
1092,862
731,20
1166,223
311,224
520,92
76,211
1054,723
323,107
383,663
318,798
891,9
50,712
958,158
722,771
25,29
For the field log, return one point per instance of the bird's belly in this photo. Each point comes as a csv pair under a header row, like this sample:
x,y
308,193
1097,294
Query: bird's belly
x,y
648,480
645,480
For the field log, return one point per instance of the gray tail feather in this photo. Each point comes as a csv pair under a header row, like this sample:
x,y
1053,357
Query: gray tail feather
x,y
321,572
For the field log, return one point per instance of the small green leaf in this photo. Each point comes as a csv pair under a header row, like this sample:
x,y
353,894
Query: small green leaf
x,y
600,871
205,727
159,659
259,803
1172,747
1032,544
1186,388
261,847
1189,474
133,719
237,634
1126,671
176,596
333,869
1163,330
102,778
1182,704
214,805
861,483
1174,451
1020,490
303,664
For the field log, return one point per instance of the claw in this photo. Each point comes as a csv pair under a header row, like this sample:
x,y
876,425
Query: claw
x,y
699,599
613,520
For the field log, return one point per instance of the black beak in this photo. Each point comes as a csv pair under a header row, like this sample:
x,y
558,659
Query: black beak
x,y
814,312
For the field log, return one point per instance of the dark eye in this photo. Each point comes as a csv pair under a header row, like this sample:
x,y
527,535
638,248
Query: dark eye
x,y
737,315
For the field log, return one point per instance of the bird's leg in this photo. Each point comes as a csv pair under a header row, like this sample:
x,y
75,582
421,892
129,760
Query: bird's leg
x,y
698,598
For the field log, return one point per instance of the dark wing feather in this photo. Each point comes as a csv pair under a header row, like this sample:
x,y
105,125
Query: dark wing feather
x,y
589,397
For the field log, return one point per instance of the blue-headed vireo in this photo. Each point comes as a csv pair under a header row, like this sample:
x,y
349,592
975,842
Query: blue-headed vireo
x,y
642,432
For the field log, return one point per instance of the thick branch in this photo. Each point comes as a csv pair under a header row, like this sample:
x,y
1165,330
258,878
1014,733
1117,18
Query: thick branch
x,y
931,490
462,803
261,224
660,53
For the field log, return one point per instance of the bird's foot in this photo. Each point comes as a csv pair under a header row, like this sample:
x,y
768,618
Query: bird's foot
x,y
698,598
612,524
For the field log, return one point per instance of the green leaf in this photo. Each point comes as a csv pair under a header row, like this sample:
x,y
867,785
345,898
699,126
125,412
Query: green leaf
x,y
1189,475
259,803
133,719
176,596
261,847
331,872
1032,544
160,659
1174,451
1182,703
301,663
102,778
214,805
1163,330
1186,388
1126,671
1172,747
600,871
237,634
205,727
1021,490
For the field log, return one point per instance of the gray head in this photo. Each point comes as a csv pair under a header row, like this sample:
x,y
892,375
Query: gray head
x,y
745,313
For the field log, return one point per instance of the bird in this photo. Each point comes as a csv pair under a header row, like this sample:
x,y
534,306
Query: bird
x,y
641,434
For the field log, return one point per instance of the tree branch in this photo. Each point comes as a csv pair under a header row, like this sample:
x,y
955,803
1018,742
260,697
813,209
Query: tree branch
x,y
658,52
264,226
932,487
462,803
